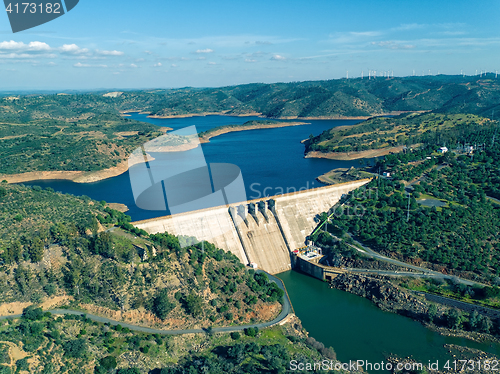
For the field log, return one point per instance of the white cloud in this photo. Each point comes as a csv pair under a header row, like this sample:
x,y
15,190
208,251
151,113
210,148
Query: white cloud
x,y
278,58
353,36
73,49
389,44
20,46
173,65
410,26
80,65
208,50
109,53
212,63
250,60
133,66
157,65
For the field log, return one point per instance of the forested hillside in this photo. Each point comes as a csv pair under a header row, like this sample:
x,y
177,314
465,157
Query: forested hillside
x,y
43,255
412,129
451,223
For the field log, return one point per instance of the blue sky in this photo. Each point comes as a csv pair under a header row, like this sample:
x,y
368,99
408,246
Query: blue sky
x,y
158,43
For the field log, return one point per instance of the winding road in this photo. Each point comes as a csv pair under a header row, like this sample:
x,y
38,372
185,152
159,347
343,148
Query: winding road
x,y
285,312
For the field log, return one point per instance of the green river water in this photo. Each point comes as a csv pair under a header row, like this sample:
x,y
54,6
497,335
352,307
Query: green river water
x,y
358,330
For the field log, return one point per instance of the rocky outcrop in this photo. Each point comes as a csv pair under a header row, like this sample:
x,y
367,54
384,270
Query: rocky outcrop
x,y
383,293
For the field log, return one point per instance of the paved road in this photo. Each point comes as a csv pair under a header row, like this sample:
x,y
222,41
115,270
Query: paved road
x,y
421,272
285,311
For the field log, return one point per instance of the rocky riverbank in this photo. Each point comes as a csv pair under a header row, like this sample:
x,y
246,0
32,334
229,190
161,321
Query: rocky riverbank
x,y
392,298
383,293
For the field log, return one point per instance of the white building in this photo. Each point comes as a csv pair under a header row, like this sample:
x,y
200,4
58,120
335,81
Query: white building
x,y
443,150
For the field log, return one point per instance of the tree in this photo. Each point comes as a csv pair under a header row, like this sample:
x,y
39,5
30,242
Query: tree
x,y
252,331
474,320
194,304
485,325
32,313
162,304
36,250
128,371
103,245
454,318
106,365
432,312
75,348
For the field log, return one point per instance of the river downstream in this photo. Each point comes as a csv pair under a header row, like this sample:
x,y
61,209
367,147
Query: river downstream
x,y
358,330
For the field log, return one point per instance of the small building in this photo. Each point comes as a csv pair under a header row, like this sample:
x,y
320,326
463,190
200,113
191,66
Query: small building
x,y
253,265
443,150
386,174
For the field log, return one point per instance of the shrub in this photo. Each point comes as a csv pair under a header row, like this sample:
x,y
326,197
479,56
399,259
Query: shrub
x,y
75,348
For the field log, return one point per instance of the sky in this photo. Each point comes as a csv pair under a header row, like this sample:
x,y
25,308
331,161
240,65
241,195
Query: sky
x,y
169,44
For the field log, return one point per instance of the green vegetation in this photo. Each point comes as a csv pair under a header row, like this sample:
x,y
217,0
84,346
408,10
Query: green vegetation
x,y
460,237
40,211
44,132
36,142
69,254
488,296
406,130
73,344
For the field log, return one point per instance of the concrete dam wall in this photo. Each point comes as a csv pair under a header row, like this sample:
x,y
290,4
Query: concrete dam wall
x,y
273,227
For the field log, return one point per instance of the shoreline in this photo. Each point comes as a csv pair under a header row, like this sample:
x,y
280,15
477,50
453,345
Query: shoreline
x,y
226,130
74,176
257,114
348,156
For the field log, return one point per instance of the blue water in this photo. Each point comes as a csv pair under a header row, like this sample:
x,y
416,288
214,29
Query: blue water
x,y
271,160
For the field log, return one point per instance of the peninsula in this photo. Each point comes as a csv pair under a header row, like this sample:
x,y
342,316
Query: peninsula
x,y
250,125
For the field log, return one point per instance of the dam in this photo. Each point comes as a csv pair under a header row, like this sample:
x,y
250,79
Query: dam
x,y
263,231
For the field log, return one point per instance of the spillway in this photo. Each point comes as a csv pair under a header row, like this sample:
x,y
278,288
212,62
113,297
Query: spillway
x,y
266,236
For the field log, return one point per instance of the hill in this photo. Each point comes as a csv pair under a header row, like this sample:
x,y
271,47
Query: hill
x,y
45,343
403,130
45,132
123,273
437,211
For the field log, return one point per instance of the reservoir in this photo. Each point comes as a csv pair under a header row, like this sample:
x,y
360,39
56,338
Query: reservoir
x,y
272,162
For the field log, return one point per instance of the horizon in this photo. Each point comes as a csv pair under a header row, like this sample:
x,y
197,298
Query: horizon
x,y
129,46
22,91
